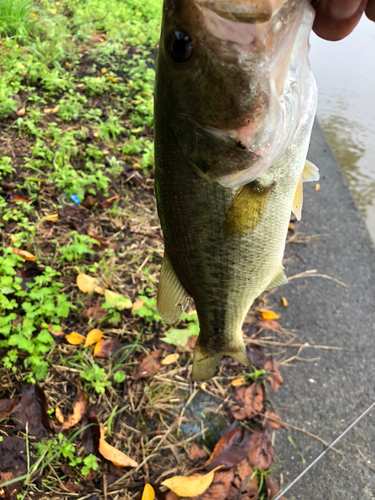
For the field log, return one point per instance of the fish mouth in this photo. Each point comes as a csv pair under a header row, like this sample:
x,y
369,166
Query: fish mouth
x,y
245,11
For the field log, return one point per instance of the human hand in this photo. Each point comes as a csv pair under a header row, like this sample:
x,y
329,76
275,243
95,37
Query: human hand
x,y
335,19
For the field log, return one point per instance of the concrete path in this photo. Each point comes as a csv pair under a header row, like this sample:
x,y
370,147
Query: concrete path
x,y
326,395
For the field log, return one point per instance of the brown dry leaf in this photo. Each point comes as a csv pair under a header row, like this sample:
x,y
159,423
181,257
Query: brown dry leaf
x,y
232,448
149,365
117,301
220,487
51,218
261,451
137,305
275,378
270,324
78,410
190,486
90,435
170,359
75,338
59,416
148,492
19,197
266,314
56,330
241,488
272,421
256,357
238,381
94,312
21,112
6,407
272,489
284,301
32,410
250,402
107,348
87,284
25,255
197,453
114,455
93,337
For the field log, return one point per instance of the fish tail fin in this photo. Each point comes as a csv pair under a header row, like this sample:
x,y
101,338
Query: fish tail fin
x,y
206,362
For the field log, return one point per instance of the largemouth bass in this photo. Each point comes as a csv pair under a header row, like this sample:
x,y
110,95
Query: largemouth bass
x,y
235,101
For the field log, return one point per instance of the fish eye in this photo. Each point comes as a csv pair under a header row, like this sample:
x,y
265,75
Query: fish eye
x,y
180,47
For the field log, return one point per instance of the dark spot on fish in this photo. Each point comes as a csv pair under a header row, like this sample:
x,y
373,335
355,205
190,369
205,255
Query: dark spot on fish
x,y
240,145
218,330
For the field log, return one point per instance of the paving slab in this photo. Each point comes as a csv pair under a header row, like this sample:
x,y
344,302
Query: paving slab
x,y
326,395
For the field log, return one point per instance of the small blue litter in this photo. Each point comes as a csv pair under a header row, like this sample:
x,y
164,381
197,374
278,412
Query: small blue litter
x,y
75,198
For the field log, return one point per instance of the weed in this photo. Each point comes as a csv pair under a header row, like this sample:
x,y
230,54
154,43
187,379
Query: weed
x,y
78,249
96,376
15,17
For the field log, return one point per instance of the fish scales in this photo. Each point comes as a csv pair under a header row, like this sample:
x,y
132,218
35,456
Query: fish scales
x,y
222,267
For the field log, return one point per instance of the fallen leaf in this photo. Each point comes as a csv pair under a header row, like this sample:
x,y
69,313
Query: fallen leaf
x,y
116,300
197,453
6,407
73,487
50,111
25,255
284,301
53,11
148,492
261,451
149,365
272,421
275,378
241,487
94,312
190,486
56,330
107,348
113,198
103,70
58,415
250,402
114,455
317,187
13,463
138,304
90,435
80,85
256,357
21,112
32,410
266,314
98,38
170,359
231,449
75,338
270,324
238,381
78,410
220,486
87,284
93,337
51,218
272,488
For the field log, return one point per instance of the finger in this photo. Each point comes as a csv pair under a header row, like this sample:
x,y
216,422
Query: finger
x,y
343,9
370,10
327,26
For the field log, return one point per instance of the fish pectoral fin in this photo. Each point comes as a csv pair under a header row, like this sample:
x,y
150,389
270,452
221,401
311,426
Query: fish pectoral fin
x,y
206,362
298,200
172,298
247,209
310,172
278,280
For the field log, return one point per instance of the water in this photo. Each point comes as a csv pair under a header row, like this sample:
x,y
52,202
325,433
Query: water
x,y
345,74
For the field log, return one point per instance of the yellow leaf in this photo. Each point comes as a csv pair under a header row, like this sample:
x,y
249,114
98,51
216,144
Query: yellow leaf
x,y
284,301
317,187
50,111
93,337
21,112
114,80
148,492
80,85
51,218
59,416
75,338
238,381
114,455
25,255
103,70
53,11
137,305
78,410
95,134
190,486
117,301
266,314
136,165
87,284
172,358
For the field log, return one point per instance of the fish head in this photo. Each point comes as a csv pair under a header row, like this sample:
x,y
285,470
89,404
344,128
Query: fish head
x,y
224,71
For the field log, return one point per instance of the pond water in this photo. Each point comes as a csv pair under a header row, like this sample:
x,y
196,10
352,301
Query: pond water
x,y
345,74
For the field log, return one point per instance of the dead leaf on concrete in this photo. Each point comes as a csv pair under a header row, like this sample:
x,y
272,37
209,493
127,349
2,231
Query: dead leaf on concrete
x,y
78,410
241,488
266,314
197,453
256,357
275,378
272,421
232,448
32,410
249,402
261,451
270,324
149,365
272,488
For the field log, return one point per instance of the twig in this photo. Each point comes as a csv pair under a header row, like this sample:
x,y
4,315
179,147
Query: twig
x,y
313,274
307,345
290,426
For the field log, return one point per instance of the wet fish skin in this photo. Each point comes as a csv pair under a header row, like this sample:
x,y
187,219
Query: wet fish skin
x,y
213,253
